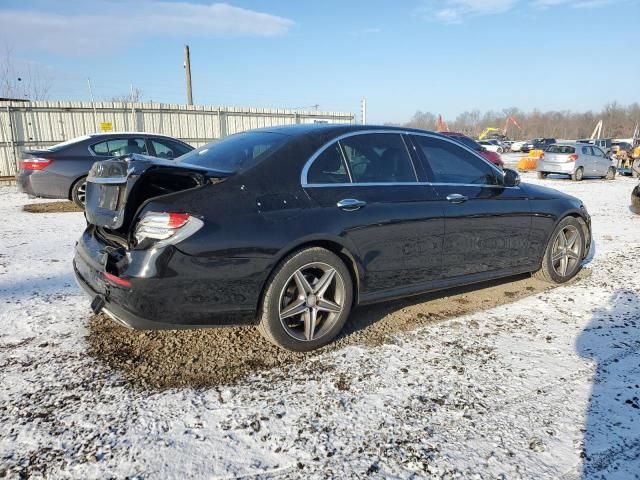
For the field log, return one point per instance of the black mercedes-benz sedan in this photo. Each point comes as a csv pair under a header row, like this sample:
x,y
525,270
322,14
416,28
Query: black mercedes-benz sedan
x,y
289,227
60,171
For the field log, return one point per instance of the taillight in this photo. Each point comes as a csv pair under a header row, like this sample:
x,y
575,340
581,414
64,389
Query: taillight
x,y
35,163
572,158
166,228
117,280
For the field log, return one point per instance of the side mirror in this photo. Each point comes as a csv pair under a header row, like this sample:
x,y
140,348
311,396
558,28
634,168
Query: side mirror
x,y
511,178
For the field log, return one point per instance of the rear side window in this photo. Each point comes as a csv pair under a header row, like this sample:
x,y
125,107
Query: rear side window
x,y
328,167
120,146
561,149
237,152
450,163
587,151
378,158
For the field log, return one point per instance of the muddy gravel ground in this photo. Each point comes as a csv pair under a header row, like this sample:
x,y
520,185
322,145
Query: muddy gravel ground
x,y
209,357
52,207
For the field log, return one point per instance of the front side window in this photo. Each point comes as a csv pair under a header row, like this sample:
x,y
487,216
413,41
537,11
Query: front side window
x,y
450,163
597,152
328,167
120,146
167,148
378,158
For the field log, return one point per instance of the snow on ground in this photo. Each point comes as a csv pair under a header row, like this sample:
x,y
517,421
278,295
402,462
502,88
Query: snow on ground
x,y
530,389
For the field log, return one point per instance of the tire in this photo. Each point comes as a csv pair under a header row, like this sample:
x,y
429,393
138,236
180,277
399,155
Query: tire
x,y
78,192
542,175
611,174
551,269
578,175
635,199
285,291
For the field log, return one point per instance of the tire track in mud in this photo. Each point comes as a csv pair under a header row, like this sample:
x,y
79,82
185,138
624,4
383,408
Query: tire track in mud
x,y
210,357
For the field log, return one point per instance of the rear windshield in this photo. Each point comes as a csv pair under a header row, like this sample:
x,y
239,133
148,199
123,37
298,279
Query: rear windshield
x,y
235,153
561,149
60,146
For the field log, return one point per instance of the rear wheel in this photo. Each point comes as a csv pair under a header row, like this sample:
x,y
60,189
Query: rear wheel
x,y
578,175
307,301
542,175
79,192
564,253
611,173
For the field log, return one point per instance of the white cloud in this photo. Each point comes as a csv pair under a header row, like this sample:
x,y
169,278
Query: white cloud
x,y
573,3
455,11
112,25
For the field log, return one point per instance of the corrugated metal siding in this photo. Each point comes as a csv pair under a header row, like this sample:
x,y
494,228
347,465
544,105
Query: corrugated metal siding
x,y
41,124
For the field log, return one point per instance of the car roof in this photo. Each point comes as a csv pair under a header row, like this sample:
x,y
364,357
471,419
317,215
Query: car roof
x,y
128,134
335,128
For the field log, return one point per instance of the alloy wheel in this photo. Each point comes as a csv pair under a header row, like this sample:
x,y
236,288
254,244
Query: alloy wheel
x,y
311,301
566,251
81,192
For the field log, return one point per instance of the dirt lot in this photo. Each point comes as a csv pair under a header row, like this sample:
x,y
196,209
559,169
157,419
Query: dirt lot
x,y
51,207
209,357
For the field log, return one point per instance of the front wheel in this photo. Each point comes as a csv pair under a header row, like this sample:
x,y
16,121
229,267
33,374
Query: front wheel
x,y
79,192
611,174
307,301
564,253
578,175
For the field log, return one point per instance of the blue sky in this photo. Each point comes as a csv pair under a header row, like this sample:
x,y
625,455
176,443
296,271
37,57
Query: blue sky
x,y
443,56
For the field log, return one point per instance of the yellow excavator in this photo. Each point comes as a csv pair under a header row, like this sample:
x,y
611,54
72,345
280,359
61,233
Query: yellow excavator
x,y
502,131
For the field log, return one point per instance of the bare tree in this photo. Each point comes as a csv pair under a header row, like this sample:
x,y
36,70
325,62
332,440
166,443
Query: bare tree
x,y
134,96
23,80
619,122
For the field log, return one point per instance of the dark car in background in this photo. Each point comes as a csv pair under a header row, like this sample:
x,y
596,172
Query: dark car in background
x,y
493,157
289,227
60,171
537,144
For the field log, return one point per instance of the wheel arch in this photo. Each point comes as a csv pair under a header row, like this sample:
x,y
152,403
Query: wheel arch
x,y
335,245
584,224
73,184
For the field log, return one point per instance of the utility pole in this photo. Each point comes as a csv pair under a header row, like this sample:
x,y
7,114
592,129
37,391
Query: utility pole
x,y
363,111
93,104
187,68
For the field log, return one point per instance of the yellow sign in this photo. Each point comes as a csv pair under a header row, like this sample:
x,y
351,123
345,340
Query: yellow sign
x,y
106,127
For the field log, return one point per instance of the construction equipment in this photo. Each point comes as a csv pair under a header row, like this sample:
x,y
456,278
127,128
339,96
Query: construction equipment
x,y
530,162
597,132
442,125
503,132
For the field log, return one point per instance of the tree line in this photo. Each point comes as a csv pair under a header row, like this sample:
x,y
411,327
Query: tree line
x,y
619,121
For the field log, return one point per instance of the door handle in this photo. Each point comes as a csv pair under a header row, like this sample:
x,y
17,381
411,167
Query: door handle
x,y
457,198
350,204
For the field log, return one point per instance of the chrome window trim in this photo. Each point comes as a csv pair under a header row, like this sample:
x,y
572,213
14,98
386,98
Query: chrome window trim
x,y
307,165
305,169
403,184
90,147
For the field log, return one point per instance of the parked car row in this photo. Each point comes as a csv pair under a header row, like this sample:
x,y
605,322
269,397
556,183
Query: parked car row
x,y
60,171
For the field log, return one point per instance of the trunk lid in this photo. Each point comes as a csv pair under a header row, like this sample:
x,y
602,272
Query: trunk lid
x,y
116,188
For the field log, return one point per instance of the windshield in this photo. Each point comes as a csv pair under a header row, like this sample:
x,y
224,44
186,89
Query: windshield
x,y
235,153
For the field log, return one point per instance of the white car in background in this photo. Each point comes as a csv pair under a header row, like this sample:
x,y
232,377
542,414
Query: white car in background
x,y
517,146
578,160
492,145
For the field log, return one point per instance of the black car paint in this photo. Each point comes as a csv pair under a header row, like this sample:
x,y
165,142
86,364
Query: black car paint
x,y
71,163
407,240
